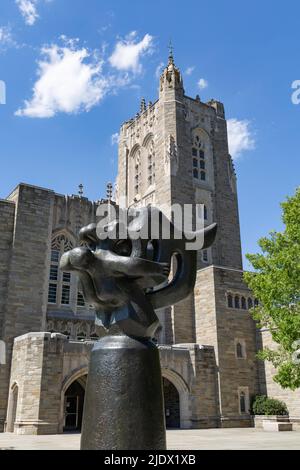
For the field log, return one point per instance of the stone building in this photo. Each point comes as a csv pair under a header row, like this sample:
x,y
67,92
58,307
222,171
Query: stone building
x,y
175,151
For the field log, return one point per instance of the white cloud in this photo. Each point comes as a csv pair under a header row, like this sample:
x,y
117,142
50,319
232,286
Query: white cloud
x,y
28,9
189,70
70,80
115,138
6,38
5,34
73,79
128,53
159,69
202,83
240,137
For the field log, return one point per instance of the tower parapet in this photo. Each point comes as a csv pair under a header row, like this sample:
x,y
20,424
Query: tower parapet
x,y
171,80
218,106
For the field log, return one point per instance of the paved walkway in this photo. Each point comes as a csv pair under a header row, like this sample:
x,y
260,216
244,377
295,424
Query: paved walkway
x,y
177,440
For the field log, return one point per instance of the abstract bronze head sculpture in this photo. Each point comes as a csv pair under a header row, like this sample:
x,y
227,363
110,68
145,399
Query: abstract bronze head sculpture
x,y
126,273
127,279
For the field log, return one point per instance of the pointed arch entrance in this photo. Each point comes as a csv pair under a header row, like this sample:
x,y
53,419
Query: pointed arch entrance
x,y
172,405
176,395
73,401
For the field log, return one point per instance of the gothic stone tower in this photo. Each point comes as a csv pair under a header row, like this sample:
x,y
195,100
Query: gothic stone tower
x,y
176,151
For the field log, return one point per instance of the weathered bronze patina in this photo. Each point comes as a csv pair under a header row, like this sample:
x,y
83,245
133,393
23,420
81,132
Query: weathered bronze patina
x,y
126,280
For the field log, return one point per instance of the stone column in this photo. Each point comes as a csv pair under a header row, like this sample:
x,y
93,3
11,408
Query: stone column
x,y
37,366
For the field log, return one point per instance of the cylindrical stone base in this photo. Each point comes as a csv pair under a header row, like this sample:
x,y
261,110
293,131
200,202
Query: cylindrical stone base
x,y
124,397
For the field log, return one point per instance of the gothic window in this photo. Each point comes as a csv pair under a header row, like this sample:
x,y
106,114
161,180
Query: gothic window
x,y
243,398
59,283
60,244
236,302
151,164
67,277
65,294
230,301
52,294
198,155
53,272
80,300
239,351
53,276
244,306
203,212
250,303
256,303
205,256
66,288
55,256
137,172
242,402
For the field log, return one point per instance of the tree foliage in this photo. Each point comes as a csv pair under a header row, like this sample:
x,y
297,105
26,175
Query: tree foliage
x,y
263,405
276,283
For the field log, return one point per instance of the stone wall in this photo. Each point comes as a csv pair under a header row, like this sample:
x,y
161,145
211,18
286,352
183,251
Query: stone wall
x,y
30,218
223,328
273,390
227,248
36,371
7,211
192,369
27,278
70,214
234,325
43,366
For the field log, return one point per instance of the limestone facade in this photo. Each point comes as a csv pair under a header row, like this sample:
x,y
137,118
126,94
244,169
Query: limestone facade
x,y
272,389
44,365
35,224
175,151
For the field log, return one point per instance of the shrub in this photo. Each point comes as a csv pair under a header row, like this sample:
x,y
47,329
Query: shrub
x,y
263,405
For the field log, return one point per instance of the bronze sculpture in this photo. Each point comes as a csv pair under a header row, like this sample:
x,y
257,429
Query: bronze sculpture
x,y
126,280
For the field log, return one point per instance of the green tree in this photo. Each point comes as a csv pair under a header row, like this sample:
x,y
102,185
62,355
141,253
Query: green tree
x,y
276,284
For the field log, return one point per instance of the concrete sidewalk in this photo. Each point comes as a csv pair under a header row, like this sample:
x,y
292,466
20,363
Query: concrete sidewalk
x,y
198,439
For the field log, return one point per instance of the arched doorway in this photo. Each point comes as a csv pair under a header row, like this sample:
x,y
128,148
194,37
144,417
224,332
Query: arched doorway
x,y
172,404
73,406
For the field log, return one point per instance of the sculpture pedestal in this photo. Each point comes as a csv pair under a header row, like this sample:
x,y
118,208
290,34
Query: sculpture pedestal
x,y
124,397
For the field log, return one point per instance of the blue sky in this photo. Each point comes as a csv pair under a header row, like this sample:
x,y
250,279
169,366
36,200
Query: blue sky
x,y
58,133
